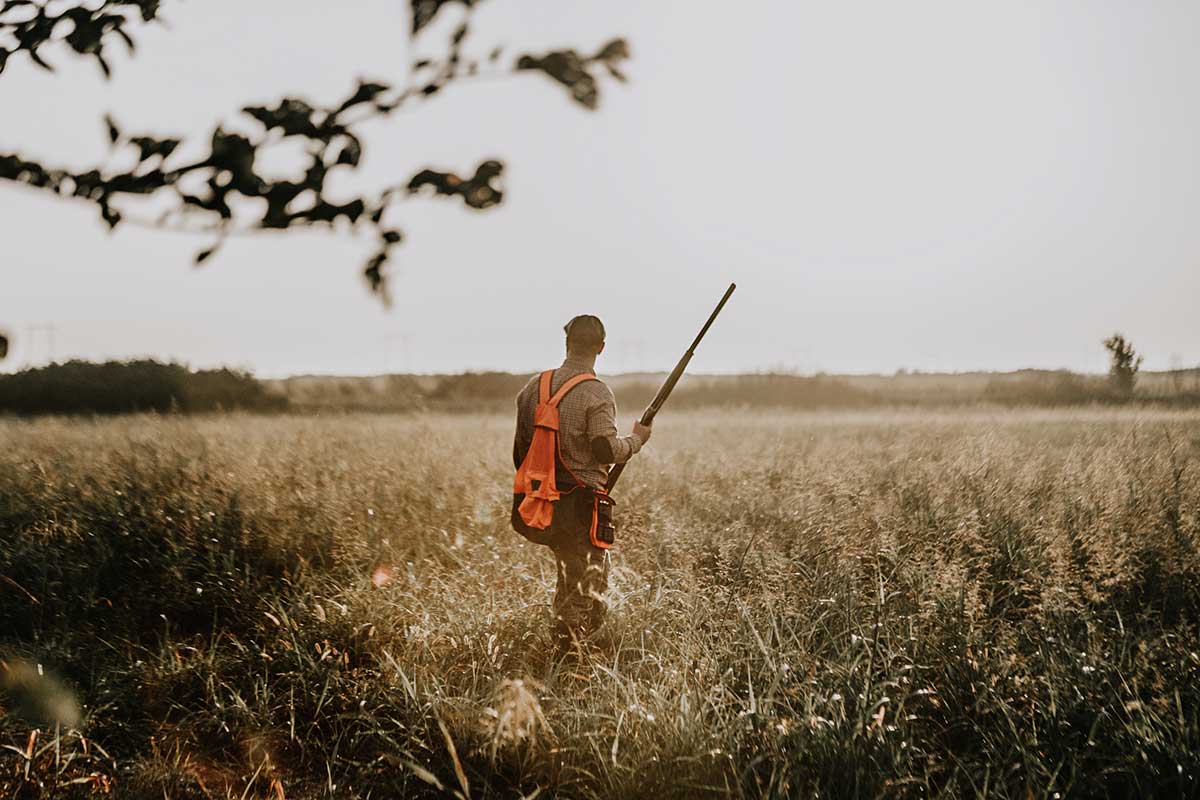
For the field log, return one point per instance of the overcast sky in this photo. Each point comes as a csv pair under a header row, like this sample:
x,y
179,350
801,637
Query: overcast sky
x,y
927,185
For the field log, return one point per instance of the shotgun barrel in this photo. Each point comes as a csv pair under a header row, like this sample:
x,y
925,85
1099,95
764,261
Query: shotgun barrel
x,y
669,384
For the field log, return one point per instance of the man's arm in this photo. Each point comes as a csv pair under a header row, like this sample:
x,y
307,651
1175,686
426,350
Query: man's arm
x,y
524,435
607,446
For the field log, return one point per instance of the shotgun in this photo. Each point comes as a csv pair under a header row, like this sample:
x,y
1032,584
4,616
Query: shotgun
x,y
669,384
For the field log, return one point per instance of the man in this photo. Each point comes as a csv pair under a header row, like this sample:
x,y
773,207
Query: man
x,y
587,444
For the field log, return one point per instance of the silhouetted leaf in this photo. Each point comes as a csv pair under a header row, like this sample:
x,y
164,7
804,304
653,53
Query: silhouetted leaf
x,y
261,114
566,67
616,50
110,215
376,277
114,133
423,11
204,255
573,71
478,192
87,26
233,152
365,93
149,147
292,116
350,153
127,39
37,59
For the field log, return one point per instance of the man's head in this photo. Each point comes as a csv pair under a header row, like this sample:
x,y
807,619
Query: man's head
x,y
585,336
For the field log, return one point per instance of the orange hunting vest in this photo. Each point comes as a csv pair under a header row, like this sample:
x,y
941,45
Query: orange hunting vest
x,y
539,466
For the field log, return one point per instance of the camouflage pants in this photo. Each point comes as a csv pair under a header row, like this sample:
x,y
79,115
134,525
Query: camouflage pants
x,y
582,579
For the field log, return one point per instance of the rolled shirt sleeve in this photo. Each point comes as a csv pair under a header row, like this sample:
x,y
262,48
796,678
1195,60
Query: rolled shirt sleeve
x,y
602,424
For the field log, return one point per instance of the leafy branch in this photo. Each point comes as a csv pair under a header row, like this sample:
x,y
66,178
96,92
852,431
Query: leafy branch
x,y
224,192
29,25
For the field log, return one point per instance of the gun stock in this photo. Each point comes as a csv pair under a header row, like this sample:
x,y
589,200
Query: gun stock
x,y
669,384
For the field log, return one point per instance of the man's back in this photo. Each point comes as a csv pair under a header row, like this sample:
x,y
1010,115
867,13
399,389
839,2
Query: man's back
x,y
587,444
587,433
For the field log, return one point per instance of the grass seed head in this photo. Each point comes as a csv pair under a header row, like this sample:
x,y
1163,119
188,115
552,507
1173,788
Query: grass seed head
x,y
515,717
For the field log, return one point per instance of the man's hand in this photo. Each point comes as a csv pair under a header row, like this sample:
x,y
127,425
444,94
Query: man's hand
x,y
641,431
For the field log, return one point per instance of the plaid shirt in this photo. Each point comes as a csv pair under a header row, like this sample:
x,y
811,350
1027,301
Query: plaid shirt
x,y
587,413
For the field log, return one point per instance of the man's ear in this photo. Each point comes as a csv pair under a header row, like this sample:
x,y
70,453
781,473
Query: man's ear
x,y
601,350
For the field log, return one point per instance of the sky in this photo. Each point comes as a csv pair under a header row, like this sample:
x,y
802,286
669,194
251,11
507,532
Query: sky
x,y
942,186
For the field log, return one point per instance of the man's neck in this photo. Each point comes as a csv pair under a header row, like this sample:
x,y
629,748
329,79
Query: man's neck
x,y
576,361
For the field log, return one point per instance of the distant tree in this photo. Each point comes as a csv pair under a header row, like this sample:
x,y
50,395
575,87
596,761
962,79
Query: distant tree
x,y
116,387
217,189
1124,363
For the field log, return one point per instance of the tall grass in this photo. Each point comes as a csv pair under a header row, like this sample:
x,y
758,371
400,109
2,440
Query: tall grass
x,y
847,605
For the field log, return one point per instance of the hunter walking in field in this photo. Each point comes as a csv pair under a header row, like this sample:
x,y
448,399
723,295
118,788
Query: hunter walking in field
x,y
565,441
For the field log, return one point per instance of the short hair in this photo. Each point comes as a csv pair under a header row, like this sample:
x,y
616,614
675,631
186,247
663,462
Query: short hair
x,y
585,330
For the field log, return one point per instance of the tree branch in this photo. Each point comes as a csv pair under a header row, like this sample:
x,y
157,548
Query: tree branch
x,y
214,188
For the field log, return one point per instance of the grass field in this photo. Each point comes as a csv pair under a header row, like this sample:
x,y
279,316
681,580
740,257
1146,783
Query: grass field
x,y
893,604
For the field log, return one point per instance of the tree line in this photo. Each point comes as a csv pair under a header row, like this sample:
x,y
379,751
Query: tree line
x,y
115,387
118,387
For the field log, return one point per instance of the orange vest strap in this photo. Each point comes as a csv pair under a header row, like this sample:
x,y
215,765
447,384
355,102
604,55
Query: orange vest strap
x,y
544,386
572,382
569,385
